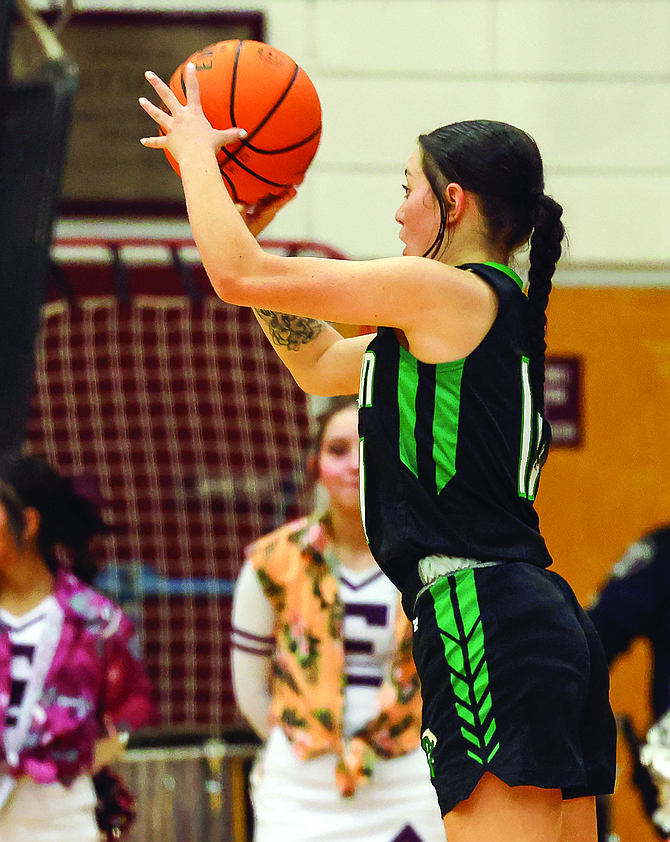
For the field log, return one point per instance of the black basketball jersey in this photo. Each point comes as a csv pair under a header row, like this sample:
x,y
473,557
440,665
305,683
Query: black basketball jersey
x,y
449,451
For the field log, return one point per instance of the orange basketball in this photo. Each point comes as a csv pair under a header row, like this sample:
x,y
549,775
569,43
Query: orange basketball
x,y
258,88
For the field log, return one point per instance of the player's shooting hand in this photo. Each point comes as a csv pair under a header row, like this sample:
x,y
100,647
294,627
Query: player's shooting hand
x,y
257,217
183,127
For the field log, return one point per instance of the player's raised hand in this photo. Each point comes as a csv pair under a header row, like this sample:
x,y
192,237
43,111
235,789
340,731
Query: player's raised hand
x,y
183,127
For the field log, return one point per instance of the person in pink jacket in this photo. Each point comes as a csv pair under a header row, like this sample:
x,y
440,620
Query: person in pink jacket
x,y
72,680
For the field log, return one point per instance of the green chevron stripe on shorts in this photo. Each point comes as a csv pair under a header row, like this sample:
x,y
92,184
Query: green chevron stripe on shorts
x,y
460,625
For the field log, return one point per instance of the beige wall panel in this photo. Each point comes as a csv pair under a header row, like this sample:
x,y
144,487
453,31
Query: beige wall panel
x,y
615,218
592,127
370,124
422,37
572,37
364,225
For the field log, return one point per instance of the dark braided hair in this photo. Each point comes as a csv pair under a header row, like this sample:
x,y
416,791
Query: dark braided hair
x,y
545,252
68,520
501,165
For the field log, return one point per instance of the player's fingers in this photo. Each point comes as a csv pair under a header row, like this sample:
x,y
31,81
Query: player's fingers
x,y
161,117
191,84
163,91
227,136
155,142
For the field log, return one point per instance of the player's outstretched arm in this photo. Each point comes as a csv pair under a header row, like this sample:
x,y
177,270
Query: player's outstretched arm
x,y
443,311
190,138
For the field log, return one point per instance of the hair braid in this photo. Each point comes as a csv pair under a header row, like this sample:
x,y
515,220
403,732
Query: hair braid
x,y
545,252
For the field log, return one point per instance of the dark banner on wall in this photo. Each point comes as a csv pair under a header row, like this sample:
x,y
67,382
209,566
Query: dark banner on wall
x,y
563,400
107,170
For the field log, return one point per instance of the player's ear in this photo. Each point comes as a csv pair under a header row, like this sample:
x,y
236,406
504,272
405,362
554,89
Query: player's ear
x,y
456,200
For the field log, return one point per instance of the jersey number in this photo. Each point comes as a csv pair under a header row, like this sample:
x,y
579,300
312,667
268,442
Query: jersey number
x,y
365,399
531,434
367,378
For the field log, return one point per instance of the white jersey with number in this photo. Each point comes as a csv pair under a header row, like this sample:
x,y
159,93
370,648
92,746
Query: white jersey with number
x,y
24,803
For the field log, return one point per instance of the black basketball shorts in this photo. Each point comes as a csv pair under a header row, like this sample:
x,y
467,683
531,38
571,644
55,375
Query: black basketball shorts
x,y
514,682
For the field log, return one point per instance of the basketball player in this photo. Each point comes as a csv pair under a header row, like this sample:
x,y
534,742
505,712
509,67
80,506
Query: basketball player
x,y
70,674
323,670
517,724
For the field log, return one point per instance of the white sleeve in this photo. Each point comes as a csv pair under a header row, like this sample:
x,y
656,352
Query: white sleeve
x,y
252,645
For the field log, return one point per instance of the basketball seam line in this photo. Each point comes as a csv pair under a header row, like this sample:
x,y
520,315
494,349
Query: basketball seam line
x,y
274,107
296,145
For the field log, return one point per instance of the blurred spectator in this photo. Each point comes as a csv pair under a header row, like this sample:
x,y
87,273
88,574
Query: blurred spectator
x,y
72,684
634,602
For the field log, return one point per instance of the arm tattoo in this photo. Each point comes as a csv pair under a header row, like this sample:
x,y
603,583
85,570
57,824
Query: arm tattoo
x,y
290,332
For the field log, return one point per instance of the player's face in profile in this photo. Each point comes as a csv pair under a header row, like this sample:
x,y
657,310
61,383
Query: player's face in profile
x,y
337,464
418,215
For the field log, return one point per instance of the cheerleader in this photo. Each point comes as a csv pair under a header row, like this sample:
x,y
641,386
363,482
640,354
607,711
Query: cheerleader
x,y
71,679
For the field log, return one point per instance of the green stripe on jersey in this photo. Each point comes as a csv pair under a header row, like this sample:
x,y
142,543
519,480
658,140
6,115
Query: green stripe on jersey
x,y
509,272
445,422
460,624
408,382
442,398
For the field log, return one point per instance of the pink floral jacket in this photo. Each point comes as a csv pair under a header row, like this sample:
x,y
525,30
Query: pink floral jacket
x,y
91,669
308,663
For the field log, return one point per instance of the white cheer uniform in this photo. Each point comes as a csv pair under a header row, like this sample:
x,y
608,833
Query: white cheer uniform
x,y
297,800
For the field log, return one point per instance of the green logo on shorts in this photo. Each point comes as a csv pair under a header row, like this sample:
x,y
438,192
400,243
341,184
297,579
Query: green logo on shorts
x,y
460,624
428,743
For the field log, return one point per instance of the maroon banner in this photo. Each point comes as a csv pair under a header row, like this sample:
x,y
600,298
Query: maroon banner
x,y
563,400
